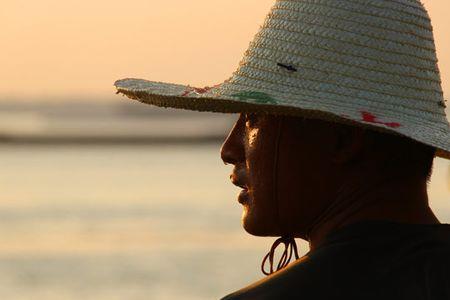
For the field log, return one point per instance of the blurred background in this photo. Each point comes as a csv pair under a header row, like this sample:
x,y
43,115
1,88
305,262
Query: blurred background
x,y
106,198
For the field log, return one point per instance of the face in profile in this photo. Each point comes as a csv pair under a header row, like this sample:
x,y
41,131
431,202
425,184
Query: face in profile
x,y
283,166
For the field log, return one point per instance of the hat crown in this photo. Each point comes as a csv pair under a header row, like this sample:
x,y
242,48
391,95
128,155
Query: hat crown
x,y
372,62
364,49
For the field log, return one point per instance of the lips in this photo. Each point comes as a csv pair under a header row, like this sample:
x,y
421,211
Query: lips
x,y
244,197
239,184
238,178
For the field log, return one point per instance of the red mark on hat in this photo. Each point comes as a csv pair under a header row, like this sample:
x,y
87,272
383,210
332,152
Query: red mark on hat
x,y
186,92
198,90
370,118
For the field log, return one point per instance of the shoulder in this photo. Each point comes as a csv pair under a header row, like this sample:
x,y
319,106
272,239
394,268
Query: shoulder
x,y
325,273
299,279
413,261
424,268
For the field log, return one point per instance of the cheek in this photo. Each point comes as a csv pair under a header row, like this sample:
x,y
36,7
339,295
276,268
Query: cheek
x,y
252,137
261,214
299,186
295,194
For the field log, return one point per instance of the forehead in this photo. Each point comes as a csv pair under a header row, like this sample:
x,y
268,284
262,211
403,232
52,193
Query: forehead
x,y
294,131
289,122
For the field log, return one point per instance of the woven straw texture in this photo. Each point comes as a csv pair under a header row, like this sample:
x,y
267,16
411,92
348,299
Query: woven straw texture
x,y
366,62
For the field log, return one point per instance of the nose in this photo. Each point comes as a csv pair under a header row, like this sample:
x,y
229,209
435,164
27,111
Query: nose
x,y
233,148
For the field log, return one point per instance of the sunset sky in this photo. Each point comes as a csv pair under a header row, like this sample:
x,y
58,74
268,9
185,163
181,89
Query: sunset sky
x,y
52,49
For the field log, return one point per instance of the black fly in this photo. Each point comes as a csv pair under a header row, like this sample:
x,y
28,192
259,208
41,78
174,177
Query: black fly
x,y
289,68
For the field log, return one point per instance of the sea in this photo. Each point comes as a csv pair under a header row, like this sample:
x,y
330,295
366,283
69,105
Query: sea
x,y
86,212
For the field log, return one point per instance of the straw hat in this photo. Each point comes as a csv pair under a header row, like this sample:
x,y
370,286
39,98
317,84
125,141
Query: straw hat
x,y
366,62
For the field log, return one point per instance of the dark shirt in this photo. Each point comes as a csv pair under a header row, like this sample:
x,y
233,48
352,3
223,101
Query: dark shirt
x,y
366,260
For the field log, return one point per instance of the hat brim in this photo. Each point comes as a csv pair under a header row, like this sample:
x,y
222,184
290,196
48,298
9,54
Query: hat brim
x,y
212,99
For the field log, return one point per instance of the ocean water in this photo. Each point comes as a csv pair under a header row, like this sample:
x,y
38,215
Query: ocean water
x,y
130,222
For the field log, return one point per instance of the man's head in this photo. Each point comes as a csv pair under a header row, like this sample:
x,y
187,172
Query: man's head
x,y
292,168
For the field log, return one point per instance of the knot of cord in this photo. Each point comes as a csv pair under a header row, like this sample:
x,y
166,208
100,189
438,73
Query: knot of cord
x,y
290,248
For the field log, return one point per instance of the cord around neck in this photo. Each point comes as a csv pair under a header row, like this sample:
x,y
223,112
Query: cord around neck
x,y
290,249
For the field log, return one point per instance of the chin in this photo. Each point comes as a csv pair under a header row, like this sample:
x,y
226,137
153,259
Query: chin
x,y
258,226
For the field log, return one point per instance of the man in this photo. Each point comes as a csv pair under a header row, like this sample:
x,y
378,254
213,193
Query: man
x,y
341,115
322,177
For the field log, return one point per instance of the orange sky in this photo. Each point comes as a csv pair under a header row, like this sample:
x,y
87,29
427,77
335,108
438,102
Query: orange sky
x,y
75,48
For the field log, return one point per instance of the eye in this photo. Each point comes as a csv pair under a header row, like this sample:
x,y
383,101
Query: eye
x,y
251,119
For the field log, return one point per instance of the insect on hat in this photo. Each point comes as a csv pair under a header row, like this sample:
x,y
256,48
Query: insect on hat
x,y
370,63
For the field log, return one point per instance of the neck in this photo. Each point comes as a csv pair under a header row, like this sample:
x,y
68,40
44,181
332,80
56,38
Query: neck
x,y
390,199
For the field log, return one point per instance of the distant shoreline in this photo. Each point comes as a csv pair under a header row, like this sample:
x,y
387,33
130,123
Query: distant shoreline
x,y
105,140
76,123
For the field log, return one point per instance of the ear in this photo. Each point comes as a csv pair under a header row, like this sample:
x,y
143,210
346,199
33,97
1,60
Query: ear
x,y
349,144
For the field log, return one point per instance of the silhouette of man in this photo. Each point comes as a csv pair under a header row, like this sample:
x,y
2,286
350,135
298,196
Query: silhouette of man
x,y
359,197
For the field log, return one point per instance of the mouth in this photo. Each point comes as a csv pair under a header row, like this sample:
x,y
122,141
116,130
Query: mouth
x,y
241,185
244,197
237,178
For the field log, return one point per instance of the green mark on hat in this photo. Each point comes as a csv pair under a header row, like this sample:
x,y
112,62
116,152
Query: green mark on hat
x,y
259,97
